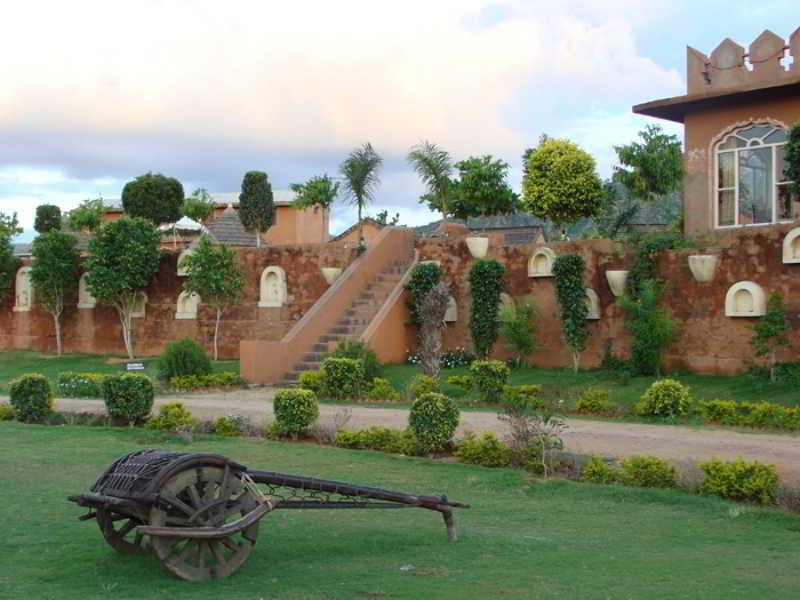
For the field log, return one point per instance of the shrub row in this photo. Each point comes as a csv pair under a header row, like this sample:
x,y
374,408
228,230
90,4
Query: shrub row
x,y
341,377
80,385
382,439
212,380
751,414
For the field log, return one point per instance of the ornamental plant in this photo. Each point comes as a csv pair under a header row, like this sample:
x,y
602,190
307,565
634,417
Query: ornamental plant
x,y
88,216
739,480
482,188
359,350
422,384
595,401
154,197
48,218
54,274
568,272
318,192
652,167
424,276
486,283
183,357
665,398
343,377
647,471
489,378
360,180
171,417
769,332
256,206
518,329
9,227
31,396
560,182
80,385
792,157
381,389
433,419
128,396
434,167
651,327
295,410
199,206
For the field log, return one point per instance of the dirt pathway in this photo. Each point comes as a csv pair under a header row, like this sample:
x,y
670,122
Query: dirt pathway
x,y
583,436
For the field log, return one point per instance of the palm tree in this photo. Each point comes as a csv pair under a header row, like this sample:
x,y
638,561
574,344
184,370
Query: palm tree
x,y
360,179
434,168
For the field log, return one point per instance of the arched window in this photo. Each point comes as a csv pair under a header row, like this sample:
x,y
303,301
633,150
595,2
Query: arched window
x,y
751,187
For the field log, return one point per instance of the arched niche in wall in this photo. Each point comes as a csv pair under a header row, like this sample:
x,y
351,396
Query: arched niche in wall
x,y
85,298
23,290
187,305
593,304
541,263
451,315
791,246
181,268
745,299
273,288
140,307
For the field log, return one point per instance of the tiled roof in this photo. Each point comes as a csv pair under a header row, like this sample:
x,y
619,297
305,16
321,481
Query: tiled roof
x,y
354,226
510,221
228,229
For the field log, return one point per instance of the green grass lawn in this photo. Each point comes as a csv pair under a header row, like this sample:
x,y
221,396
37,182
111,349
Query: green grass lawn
x,y
522,538
564,384
19,362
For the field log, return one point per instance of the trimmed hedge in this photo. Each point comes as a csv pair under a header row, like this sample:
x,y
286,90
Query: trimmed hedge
x,y
128,396
382,439
382,389
295,410
32,397
313,381
80,385
343,377
213,380
490,377
751,414
595,401
433,419
486,450
665,398
739,480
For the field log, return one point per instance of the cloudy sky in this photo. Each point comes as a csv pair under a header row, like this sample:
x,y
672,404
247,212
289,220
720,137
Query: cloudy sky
x,y
93,93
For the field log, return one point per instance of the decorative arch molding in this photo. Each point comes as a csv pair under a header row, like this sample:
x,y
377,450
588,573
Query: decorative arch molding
x,y
85,298
752,121
745,299
451,315
541,263
187,305
181,269
593,304
140,307
23,290
272,288
791,246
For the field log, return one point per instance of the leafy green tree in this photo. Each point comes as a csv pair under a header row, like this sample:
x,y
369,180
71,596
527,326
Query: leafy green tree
x,y
560,183
383,218
48,218
54,274
214,274
360,180
256,206
482,188
568,273
792,157
518,328
199,206
650,326
9,228
435,168
486,283
88,216
154,197
653,167
123,257
769,332
318,192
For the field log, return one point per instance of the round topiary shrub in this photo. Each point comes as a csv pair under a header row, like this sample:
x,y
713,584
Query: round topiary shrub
x,y
422,384
128,396
665,398
433,419
32,397
183,357
360,351
295,410
343,377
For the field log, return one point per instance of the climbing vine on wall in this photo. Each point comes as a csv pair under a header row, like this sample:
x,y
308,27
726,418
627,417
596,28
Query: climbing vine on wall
x,y
424,278
486,283
645,259
793,157
568,272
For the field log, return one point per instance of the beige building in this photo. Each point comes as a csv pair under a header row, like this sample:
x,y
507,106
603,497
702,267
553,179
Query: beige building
x,y
736,115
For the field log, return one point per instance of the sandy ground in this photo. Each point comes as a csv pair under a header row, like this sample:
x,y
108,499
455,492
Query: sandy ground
x,y
681,444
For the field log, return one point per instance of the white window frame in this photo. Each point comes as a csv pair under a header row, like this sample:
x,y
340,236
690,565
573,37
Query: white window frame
x,y
773,184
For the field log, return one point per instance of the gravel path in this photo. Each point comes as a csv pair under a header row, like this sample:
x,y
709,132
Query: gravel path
x,y
678,443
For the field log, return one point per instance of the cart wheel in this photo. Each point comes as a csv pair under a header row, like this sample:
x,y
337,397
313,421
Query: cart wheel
x,y
204,497
120,531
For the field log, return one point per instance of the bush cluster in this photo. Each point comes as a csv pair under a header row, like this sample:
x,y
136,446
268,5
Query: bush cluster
x,y
232,425
128,396
595,401
424,277
598,471
464,382
751,414
665,398
343,377
360,351
80,385
381,389
460,357
523,396
740,480
7,412
312,381
31,397
433,419
422,384
382,439
639,471
183,357
295,410
171,417
490,377
212,380
486,450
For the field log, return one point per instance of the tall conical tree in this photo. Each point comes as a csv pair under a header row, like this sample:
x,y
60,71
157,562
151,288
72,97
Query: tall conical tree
x,y
256,204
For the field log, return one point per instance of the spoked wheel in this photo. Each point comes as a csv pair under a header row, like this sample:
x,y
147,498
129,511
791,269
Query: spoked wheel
x,y
120,531
204,497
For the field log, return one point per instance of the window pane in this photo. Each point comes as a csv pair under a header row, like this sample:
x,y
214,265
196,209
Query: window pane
x,y
778,136
788,203
755,186
731,142
754,132
727,208
727,171
780,164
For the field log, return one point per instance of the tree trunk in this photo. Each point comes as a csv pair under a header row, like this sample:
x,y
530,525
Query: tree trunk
x,y
576,361
216,334
360,226
258,239
127,326
57,323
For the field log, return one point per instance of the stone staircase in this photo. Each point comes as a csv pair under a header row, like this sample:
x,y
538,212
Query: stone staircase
x,y
355,320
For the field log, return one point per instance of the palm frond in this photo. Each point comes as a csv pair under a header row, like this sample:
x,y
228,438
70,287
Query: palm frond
x,y
359,173
432,164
